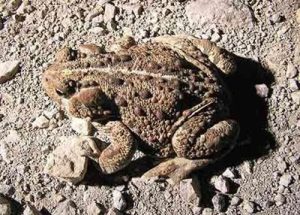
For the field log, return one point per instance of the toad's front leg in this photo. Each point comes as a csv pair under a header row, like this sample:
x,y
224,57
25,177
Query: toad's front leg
x,y
121,149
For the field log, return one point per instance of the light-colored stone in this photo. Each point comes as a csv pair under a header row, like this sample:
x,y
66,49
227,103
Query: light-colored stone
x,y
190,190
296,96
67,162
94,209
119,201
81,126
228,14
262,90
229,173
235,201
8,70
65,208
114,211
293,85
249,207
279,199
31,210
222,184
5,208
298,15
291,71
285,180
109,12
41,122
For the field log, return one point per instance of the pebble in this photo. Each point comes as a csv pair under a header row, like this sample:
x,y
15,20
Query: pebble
x,y
235,201
298,15
94,209
285,180
119,201
31,210
41,122
81,126
190,191
219,202
114,211
262,90
282,166
296,96
66,207
8,70
248,167
207,211
5,208
222,184
279,199
229,173
291,71
249,207
98,30
109,12
293,85
67,162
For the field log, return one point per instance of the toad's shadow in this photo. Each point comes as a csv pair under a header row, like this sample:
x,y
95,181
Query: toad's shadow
x,y
247,108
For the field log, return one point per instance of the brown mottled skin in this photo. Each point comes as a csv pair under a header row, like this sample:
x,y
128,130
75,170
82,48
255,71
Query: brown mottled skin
x,y
168,93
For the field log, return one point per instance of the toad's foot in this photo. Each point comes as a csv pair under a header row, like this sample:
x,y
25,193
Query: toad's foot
x,y
176,169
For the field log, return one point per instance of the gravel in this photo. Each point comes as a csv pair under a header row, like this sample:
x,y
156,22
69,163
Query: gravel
x,y
31,126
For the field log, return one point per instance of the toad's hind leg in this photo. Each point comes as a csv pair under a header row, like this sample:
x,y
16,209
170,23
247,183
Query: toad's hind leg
x,y
196,147
121,149
187,46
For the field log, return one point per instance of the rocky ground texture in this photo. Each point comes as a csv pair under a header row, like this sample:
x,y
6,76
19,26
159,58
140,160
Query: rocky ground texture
x,y
260,176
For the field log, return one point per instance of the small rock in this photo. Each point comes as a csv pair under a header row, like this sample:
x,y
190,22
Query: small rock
x,y
31,210
119,201
229,173
285,180
282,166
235,201
279,199
296,96
94,209
66,207
291,71
41,122
114,211
207,211
190,190
5,208
98,30
249,207
68,162
293,85
110,12
298,15
8,70
215,37
262,90
222,184
219,202
248,167
82,126
196,210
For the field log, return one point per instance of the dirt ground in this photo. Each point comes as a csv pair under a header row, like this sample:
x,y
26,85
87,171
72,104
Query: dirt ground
x,y
260,176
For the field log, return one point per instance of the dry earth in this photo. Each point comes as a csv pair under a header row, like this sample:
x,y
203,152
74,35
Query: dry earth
x,y
260,176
